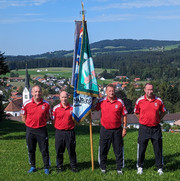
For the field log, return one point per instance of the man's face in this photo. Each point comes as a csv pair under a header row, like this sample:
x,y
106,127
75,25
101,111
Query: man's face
x,y
64,97
148,90
36,93
110,92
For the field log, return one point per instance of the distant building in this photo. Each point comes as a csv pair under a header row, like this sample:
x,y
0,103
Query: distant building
x,y
171,118
26,91
137,79
14,107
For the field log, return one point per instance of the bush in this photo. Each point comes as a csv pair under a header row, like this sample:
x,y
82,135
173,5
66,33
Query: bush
x,y
166,127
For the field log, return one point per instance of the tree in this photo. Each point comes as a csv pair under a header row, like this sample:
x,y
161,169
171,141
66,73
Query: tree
x,y
20,90
128,103
4,67
3,70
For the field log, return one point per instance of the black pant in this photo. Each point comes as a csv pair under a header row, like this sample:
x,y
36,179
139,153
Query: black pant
x,y
155,135
39,135
63,139
107,137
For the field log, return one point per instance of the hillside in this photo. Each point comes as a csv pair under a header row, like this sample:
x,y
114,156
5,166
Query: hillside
x,y
107,46
152,59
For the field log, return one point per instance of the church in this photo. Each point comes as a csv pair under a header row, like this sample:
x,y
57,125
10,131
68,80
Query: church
x,y
15,105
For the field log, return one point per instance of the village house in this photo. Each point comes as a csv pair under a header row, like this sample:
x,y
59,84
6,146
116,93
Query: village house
x,y
137,79
14,107
15,79
171,118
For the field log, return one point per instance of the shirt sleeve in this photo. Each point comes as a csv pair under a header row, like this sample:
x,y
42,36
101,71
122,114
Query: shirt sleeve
x,y
97,105
124,110
53,114
162,108
49,111
136,108
23,110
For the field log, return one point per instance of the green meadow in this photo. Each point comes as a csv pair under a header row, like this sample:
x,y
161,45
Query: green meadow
x,y
56,71
14,157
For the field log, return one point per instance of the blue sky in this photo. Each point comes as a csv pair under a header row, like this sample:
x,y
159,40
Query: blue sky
x,y
30,27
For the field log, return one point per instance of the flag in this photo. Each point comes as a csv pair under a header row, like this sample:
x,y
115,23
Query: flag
x,y
85,84
76,41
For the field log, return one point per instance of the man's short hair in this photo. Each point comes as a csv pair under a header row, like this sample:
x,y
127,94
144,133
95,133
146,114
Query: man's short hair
x,y
37,86
110,85
148,84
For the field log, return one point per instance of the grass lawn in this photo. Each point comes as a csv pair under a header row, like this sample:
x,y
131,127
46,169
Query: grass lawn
x,y
14,157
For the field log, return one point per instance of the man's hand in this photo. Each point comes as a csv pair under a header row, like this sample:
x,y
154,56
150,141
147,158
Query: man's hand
x,y
124,132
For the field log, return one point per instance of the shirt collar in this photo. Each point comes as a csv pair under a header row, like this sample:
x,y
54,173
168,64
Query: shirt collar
x,y
38,102
115,99
68,105
153,98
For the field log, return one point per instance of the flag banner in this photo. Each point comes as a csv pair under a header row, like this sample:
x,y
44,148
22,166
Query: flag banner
x,y
76,43
82,103
87,83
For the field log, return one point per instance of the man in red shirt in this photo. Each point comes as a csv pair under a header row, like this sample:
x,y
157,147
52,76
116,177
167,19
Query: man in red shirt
x,y
35,113
112,111
149,109
65,134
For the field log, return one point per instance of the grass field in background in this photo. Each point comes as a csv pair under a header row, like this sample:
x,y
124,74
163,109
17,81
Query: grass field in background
x,y
14,157
57,71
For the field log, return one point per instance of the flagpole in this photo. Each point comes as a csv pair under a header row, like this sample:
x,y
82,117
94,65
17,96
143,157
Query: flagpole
x,y
91,142
90,121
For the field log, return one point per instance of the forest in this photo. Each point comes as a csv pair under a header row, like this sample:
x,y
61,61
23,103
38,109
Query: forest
x,y
154,65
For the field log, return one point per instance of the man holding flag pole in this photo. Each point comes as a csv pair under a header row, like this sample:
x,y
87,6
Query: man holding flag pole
x,y
83,77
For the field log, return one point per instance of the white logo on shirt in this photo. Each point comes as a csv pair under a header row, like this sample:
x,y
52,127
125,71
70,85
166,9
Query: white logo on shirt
x,y
43,107
155,104
116,106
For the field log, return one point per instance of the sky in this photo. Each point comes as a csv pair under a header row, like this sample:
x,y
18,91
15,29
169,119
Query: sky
x,y
31,27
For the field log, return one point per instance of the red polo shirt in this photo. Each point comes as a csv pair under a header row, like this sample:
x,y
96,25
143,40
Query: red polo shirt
x,y
63,117
36,114
149,110
111,112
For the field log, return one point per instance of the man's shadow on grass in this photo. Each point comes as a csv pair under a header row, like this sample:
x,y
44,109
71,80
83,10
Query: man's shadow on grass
x,y
171,163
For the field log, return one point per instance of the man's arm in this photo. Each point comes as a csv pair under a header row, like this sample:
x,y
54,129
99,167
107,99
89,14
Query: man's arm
x,y
162,114
137,115
124,125
23,118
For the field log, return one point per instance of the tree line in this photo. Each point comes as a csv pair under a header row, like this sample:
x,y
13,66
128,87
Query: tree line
x,y
153,65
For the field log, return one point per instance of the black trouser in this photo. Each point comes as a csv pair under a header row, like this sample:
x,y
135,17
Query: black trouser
x,y
65,139
155,135
108,136
39,135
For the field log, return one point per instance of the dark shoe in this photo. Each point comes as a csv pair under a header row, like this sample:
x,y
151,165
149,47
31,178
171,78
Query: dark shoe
x,y
32,169
60,169
75,170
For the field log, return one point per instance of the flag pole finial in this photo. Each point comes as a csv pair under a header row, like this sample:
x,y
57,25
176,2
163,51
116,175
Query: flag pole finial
x,y
83,16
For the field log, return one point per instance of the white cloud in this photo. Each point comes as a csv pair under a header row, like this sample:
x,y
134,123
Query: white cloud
x,y
17,3
138,4
165,17
35,19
